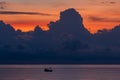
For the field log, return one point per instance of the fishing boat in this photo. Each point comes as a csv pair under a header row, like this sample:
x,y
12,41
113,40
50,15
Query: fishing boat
x,y
48,70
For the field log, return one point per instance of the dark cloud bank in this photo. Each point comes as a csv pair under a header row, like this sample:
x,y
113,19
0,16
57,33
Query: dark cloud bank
x,y
103,19
24,13
67,42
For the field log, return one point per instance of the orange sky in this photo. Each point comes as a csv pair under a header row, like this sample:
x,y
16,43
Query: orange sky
x,y
96,14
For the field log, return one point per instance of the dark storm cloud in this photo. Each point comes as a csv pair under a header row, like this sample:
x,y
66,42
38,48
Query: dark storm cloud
x,y
24,13
67,41
2,4
103,19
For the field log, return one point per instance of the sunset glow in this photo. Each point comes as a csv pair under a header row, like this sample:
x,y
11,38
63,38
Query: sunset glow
x,y
26,14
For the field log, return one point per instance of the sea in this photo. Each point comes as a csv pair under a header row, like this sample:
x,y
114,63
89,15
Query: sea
x,y
60,72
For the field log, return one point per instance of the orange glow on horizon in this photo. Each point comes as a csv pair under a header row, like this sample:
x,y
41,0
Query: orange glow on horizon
x,y
93,28
29,22
96,15
28,27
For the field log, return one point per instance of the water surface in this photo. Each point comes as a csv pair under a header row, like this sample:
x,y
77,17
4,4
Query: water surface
x,y
60,72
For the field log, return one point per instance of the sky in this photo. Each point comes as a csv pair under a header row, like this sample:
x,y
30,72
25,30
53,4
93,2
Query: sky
x,y
26,14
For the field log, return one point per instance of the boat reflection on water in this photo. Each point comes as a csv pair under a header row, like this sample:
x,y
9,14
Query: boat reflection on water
x,y
48,69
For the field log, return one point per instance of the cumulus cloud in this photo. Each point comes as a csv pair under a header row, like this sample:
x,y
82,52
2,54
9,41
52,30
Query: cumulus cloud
x,y
24,13
66,41
103,19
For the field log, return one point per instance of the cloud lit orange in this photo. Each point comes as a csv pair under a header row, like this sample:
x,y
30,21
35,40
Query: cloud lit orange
x,y
94,9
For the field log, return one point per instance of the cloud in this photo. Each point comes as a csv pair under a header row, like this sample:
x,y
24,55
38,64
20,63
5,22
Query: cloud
x,y
47,47
112,2
109,2
81,9
24,13
94,18
2,4
58,4
103,19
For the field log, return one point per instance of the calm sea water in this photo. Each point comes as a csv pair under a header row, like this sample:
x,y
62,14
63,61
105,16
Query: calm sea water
x,y
60,72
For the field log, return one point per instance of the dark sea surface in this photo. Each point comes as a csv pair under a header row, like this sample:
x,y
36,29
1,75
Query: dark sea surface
x,y
60,72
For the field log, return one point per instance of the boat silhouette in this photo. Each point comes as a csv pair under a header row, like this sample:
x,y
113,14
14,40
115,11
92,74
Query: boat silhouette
x,y
48,70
